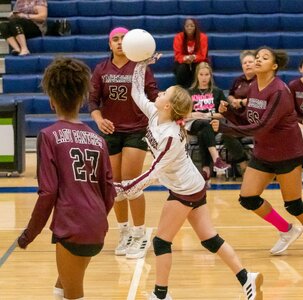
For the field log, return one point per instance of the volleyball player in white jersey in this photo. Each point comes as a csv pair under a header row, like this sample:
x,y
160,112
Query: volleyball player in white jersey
x,y
174,169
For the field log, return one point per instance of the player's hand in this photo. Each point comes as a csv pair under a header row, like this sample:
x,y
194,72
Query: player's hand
x,y
235,103
187,59
106,126
152,60
223,106
215,124
22,241
119,188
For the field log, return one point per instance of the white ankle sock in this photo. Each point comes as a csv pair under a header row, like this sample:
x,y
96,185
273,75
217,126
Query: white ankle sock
x,y
138,231
58,293
123,226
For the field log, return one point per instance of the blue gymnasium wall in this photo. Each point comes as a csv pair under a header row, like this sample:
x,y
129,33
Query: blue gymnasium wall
x,y
231,26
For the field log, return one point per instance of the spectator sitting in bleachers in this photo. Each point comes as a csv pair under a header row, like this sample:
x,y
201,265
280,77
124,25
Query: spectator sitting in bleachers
x,y
190,48
237,98
206,99
27,20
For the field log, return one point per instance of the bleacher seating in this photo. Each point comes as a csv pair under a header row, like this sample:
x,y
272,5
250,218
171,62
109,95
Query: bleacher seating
x,y
231,26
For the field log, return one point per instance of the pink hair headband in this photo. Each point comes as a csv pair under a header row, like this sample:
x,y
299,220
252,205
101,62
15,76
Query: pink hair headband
x,y
117,30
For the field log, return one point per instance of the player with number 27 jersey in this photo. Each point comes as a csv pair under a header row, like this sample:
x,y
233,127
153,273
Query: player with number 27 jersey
x,y
75,178
112,94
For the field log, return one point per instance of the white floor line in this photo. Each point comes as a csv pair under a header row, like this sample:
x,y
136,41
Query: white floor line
x,y
151,228
138,271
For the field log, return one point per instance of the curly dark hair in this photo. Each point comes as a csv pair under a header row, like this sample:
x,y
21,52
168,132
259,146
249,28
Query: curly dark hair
x,y
280,56
67,81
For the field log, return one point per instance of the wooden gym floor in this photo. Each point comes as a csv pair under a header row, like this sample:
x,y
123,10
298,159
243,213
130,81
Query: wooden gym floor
x,y
196,274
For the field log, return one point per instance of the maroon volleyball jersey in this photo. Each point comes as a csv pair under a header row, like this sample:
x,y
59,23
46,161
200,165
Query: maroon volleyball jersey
x,y
270,117
296,88
112,94
240,87
75,180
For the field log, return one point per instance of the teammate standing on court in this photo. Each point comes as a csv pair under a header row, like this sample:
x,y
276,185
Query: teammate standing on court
x,y
269,116
74,177
173,168
296,88
123,126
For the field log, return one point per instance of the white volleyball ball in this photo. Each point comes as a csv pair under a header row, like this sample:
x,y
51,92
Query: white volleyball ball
x,y
138,45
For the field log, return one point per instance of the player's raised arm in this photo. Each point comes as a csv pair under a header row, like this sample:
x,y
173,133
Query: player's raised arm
x,y
138,94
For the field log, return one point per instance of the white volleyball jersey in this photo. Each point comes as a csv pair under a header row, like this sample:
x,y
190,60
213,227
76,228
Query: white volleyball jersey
x,y
172,167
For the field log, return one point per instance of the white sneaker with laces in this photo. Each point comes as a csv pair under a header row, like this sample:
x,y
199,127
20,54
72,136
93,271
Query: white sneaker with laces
x,y
286,238
138,247
152,296
124,242
252,287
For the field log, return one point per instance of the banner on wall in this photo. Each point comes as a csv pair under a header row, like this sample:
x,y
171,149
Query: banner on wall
x,y
7,150
12,137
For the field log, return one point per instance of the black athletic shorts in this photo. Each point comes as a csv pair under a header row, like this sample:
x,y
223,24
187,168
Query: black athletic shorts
x,y
193,201
119,140
281,167
88,250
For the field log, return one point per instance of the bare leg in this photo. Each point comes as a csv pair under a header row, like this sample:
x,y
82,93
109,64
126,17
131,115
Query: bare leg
x,y
243,166
213,153
58,283
291,186
22,42
132,165
13,43
121,207
172,218
200,220
254,183
71,269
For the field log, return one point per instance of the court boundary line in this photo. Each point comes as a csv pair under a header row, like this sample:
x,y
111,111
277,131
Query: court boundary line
x,y
132,292
152,228
152,188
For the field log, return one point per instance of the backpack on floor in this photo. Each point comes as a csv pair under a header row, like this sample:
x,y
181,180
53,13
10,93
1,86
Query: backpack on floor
x,y
60,27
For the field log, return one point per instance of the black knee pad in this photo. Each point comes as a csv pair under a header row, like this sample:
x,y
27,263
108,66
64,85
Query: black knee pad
x,y
294,207
161,247
213,244
4,30
251,202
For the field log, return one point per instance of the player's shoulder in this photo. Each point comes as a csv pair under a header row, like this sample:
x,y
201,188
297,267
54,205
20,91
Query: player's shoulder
x,y
171,130
103,64
294,82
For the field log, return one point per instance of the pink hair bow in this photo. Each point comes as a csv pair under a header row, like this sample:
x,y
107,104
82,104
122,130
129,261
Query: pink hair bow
x,y
181,122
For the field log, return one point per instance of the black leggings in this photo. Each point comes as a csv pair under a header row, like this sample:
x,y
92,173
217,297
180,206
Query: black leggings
x,y
206,138
234,148
184,74
16,26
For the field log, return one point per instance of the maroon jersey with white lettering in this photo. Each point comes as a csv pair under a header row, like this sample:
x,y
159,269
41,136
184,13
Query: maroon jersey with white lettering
x,y
296,88
112,94
75,180
270,117
240,87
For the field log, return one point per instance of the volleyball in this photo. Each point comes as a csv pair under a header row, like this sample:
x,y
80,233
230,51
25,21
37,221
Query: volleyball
x,y
138,45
